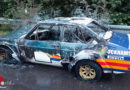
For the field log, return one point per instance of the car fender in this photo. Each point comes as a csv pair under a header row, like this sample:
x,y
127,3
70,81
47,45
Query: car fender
x,y
84,55
12,48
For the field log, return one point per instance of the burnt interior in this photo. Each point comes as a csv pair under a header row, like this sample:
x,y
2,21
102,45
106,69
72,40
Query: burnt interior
x,y
76,34
52,33
46,35
45,32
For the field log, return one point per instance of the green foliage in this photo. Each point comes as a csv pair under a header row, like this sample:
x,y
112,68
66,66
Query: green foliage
x,y
118,11
25,10
16,8
4,29
54,8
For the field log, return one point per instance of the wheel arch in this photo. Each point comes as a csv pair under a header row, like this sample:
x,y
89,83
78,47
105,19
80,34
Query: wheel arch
x,y
7,47
14,53
73,67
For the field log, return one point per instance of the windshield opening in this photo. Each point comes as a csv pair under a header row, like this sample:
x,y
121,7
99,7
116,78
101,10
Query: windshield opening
x,y
96,28
101,30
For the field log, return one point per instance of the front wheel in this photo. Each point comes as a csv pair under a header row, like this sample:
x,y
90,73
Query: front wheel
x,y
88,70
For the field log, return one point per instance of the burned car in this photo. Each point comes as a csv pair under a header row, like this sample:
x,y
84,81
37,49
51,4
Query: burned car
x,y
84,46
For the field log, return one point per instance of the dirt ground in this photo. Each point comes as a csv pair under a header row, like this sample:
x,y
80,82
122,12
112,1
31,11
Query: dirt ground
x,y
42,77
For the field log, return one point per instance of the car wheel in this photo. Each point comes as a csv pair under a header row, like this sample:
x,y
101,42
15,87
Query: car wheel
x,y
88,70
6,56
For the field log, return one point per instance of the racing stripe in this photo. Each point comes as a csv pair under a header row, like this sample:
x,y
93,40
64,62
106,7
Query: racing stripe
x,y
115,65
56,58
129,39
114,61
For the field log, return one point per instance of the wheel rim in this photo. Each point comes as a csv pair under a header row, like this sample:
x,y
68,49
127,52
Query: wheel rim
x,y
87,72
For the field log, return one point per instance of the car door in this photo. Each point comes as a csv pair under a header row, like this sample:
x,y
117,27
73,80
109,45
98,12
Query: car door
x,y
74,41
43,44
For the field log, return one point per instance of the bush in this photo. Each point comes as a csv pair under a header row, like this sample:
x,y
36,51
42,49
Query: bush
x,y
4,29
113,11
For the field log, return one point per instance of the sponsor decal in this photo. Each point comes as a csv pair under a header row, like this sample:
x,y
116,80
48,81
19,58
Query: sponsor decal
x,y
47,56
56,58
119,52
115,57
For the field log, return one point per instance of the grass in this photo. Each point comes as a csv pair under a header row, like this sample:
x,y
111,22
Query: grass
x,y
5,29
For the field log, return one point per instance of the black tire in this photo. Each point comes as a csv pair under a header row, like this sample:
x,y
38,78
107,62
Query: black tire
x,y
6,56
94,67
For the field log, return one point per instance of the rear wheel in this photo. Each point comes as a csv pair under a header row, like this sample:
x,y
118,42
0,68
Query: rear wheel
x,y
88,70
6,56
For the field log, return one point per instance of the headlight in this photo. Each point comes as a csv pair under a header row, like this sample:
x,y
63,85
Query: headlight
x,y
108,35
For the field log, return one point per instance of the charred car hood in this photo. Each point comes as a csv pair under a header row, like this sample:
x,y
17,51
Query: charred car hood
x,y
120,39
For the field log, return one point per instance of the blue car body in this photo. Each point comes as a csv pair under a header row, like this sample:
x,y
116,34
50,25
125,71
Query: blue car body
x,y
117,57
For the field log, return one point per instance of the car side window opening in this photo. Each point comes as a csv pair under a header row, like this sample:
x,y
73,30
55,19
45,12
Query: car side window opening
x,y
75,34
46,32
